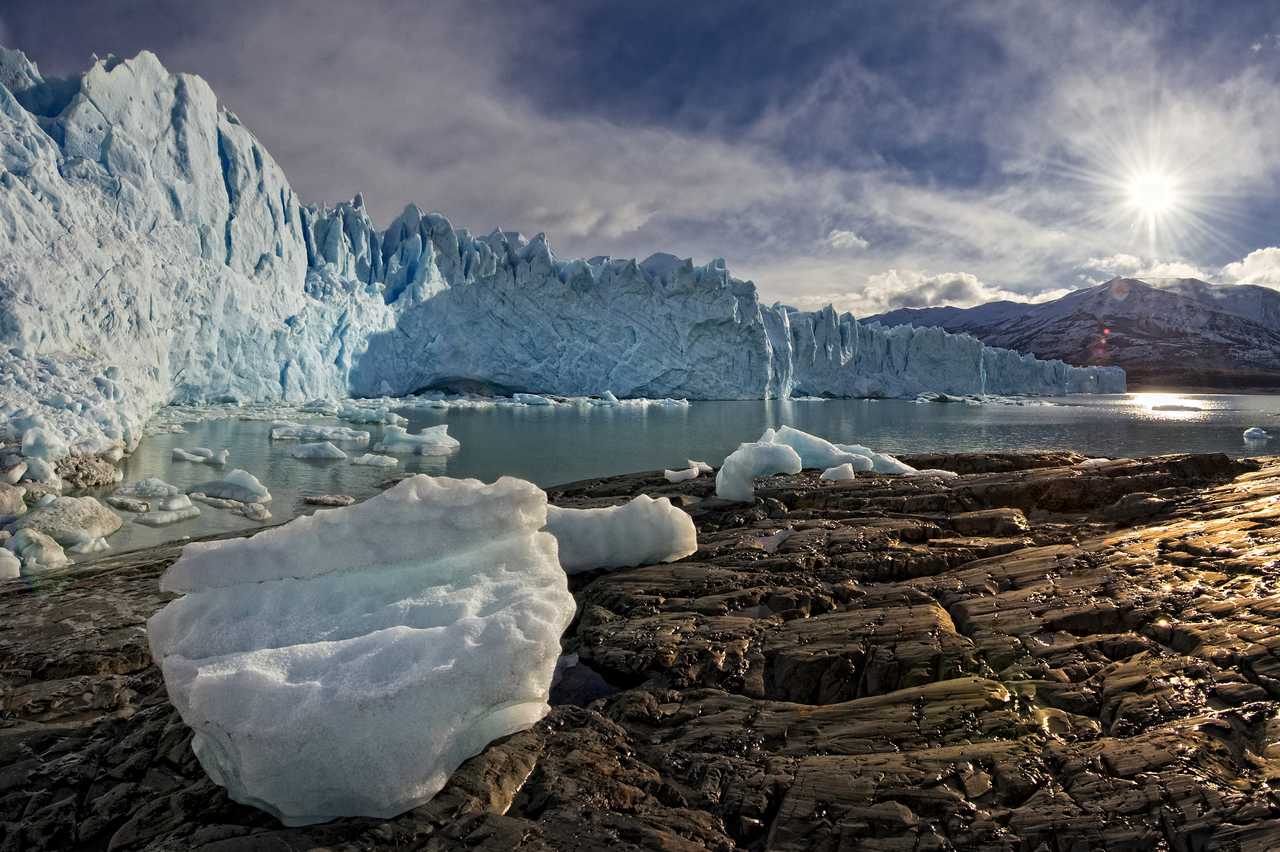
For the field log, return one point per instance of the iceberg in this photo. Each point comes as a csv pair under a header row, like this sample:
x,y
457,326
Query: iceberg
x,y
142,222
202,455
238,485
643,531
430,441
375,460
320,450
1255,433
346,663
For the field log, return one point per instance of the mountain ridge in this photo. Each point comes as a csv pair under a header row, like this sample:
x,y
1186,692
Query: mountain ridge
x,y
1183,334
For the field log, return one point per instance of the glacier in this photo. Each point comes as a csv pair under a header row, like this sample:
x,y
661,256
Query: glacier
x,y
152,252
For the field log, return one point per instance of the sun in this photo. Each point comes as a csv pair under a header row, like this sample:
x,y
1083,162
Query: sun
x,y
1152,194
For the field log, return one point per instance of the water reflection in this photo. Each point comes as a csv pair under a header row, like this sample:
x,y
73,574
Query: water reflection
x,y
550,445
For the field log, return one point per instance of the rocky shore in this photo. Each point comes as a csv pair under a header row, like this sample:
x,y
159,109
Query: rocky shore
x,y
1037,655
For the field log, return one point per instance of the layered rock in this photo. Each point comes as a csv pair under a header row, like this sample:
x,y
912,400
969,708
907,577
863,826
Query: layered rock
x,y
979,663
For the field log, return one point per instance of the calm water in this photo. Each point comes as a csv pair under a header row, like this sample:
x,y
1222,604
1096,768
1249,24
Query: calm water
x,y
561,444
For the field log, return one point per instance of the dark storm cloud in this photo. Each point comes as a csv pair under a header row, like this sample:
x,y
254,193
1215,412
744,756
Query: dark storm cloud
x,y
880,153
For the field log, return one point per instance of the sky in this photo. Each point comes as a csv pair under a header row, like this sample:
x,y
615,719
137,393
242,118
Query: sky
x,y
872,154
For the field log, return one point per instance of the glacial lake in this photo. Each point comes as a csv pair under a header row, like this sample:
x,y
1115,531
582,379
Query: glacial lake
x,y
553,445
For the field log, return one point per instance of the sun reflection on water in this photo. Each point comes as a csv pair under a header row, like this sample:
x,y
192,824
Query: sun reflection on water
x,y
1169,406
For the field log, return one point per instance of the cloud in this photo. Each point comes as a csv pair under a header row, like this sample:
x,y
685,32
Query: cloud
x,y
1096,270
994,161
1258,267
908,288
845,241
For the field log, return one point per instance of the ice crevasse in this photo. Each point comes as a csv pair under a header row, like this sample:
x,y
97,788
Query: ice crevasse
x,y
152,251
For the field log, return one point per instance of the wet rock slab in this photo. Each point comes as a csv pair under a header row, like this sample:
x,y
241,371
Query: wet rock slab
x,y
1024,658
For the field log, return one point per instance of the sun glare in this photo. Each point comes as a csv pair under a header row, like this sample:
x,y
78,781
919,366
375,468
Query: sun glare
x,y
1152,194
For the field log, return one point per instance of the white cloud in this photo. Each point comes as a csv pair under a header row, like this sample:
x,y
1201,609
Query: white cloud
x,y
1258,267
909,288
845,241
1100,269
1116,264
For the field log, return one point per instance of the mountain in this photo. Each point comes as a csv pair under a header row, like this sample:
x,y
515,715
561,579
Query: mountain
x,y
1172,334
152,251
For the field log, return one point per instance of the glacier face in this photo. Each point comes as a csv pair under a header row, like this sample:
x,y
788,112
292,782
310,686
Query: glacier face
x,y
151,251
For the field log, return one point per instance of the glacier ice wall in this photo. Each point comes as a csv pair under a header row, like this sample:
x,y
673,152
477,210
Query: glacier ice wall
x,y
152,251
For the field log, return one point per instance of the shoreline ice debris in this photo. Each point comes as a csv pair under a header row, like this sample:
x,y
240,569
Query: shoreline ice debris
x,y
838,473
702,466
238,485
674,476
321,450
79,524
338,666
643,531
202,455
1256,433
736,478
429,441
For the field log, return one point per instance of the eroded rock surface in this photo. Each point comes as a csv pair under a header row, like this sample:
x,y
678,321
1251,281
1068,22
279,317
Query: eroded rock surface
x,y
1004,661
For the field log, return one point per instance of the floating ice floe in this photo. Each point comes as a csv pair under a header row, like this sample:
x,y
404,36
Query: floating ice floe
x,y
375,460
335,666
641,532
287,430
321,450
839,473
736,479
202,455
1256,433
681,475
356,413
171,511
152,488
326,407
430,441
238,485
531,399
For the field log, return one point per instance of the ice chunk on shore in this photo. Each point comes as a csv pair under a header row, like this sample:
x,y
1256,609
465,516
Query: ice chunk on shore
x,y
642,532
238,485
839,473
430,441
702,466
10,565
816,452
287,430
71,521
346,663
375,460
202,455
37,551
321,450
1256,433
736,479
681,475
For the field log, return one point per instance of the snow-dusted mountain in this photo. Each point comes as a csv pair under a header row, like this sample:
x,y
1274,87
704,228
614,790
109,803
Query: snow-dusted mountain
x,y
152,251
1181,333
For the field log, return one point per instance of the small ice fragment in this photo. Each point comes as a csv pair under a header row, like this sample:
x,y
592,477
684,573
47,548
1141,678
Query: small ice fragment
x,y
642,532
